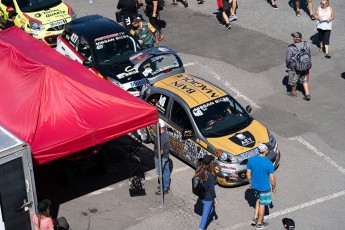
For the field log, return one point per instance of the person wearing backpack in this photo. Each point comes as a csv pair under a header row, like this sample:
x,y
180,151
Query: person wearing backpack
x,y
152,12
205,172
298,63
144,32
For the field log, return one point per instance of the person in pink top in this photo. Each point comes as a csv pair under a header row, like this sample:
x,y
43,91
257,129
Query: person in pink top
x,y
42,220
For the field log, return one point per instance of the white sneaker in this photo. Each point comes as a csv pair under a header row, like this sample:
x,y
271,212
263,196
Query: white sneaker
x,y
232,18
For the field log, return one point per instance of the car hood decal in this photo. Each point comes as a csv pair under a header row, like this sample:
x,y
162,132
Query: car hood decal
x,y
243,140
122,73
54,14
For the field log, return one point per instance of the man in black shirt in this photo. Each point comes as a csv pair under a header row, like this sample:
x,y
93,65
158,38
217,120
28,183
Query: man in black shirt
x,y
10,21
129,11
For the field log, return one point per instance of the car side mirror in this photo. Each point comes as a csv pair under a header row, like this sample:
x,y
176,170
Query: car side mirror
x,y
249,109
87,63
186,134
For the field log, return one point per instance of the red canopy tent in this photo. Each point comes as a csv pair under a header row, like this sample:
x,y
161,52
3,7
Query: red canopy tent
x,y
58,106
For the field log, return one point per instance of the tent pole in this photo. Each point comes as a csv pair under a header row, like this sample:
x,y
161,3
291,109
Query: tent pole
x,y
160,163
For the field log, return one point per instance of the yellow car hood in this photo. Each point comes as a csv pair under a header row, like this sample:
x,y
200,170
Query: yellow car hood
x,y
53,14
243,140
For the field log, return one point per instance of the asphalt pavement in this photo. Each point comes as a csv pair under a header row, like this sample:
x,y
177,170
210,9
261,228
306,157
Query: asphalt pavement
x,y
247,61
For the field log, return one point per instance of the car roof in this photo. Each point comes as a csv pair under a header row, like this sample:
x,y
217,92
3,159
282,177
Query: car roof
x,y
193,90
95,26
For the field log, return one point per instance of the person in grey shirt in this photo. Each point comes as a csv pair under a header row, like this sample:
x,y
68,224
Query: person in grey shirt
x,y
293,75
164,151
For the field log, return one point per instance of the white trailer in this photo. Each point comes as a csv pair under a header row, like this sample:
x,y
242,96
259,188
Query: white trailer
x,y
17,185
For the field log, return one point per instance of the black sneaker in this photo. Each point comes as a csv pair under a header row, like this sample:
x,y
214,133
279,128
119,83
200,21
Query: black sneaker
x,y
185,3
298,14
306,97
275,7
228,26
291,94
254,221
312,17
261,226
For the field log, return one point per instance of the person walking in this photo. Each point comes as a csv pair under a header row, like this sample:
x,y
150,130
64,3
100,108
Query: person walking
x,y
260,175
10,21
206,172
324,15
144,32
164,151
42,220
288,224
152,12
233,8
224,8
295,53
129,11
310,8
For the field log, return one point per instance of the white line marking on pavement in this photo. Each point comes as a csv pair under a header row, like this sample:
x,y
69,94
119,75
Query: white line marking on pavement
x,y
317,152
228,85
188,64
173,172
292,209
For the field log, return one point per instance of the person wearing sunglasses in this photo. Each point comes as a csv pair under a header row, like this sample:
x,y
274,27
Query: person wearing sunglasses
x,y
324,15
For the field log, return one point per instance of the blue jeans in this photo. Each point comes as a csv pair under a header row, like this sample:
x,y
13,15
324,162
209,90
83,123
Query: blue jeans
x,y
165,171
206,212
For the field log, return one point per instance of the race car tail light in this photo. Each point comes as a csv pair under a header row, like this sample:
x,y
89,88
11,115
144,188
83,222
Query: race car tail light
x,y
167,71
71,12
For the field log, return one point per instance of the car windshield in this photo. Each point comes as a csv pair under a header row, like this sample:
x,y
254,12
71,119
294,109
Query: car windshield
x,y
220,117
160,64
37,5
115,49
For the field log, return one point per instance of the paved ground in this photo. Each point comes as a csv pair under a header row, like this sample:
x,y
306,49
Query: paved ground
x,y
248,62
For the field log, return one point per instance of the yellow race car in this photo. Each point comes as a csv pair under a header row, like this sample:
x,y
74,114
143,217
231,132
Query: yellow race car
x,y
203,119
43,19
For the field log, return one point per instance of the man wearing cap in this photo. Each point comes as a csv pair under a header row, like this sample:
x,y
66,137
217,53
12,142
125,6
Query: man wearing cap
x,y
164,151
10,21
262,180
288,224
144,32
293,75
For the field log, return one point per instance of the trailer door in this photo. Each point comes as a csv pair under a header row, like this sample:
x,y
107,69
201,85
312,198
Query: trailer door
x,y
16,191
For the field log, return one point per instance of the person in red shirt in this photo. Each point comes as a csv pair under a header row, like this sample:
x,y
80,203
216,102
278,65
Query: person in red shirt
x,y
223,7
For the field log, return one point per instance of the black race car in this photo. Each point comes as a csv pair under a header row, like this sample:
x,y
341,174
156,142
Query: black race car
x,y
105,47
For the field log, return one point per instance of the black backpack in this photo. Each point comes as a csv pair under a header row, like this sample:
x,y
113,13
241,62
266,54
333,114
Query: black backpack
x,y
198,187
302,59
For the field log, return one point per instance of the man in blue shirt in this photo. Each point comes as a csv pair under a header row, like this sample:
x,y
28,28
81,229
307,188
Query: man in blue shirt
x,y
262,180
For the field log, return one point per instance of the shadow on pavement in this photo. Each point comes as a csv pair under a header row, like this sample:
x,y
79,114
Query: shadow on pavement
x,y
343,75
87,180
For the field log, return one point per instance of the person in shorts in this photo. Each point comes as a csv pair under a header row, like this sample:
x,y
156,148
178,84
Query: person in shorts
x,y
260,174
224,12
295,77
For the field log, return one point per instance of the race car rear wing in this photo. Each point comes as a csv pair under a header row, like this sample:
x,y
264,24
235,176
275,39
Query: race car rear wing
x,y
157,63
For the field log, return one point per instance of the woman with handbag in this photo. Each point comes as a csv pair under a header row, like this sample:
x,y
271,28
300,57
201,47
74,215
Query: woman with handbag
x,y
206,172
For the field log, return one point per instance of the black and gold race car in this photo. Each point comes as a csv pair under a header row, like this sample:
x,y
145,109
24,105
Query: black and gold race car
x,y
203,119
